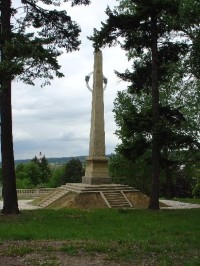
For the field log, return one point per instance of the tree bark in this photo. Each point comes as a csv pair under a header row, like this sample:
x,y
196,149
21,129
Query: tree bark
x,y
10,202
154,197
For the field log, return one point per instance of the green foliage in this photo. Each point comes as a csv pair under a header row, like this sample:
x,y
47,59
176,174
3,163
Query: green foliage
x,y
196,180
36,173
57,175
159,112
29,50
24,183
133,119
73,172
135,174
156,39
33,171
196,190
39,34
42,162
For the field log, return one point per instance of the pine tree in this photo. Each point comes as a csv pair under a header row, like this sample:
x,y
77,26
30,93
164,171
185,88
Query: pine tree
x,y
42,162
148,31
73,172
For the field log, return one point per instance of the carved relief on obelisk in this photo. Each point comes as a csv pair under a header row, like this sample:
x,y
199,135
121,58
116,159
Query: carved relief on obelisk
x,y
97,164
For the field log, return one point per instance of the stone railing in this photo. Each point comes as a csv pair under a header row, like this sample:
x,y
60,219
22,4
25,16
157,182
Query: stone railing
x,y
34,192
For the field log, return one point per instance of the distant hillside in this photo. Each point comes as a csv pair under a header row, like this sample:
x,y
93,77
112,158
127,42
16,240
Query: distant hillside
x,y
61,160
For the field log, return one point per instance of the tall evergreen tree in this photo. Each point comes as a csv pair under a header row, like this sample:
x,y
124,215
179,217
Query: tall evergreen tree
x,y
8,172
29,55
148,31
73,172
42,162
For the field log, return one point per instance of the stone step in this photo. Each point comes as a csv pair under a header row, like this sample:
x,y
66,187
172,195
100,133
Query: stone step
x,y
83,188
116,199
52,197
113,195
120,206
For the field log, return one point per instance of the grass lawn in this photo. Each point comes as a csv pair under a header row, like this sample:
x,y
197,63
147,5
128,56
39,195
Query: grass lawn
x,y
167,237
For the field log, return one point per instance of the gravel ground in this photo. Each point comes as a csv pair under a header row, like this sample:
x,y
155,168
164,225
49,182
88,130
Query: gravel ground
x,y
26,205
23,205
179,205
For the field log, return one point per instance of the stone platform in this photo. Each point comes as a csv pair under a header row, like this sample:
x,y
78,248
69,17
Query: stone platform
x,y
79,195
87,188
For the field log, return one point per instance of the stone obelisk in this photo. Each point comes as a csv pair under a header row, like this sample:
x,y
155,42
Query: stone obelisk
x,y
96,172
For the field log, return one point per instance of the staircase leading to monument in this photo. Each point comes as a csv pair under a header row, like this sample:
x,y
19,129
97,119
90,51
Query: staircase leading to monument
x,y
116,199
52,197
112,194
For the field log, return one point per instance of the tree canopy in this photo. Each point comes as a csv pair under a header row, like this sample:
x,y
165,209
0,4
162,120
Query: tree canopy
x,y
39,33
159,36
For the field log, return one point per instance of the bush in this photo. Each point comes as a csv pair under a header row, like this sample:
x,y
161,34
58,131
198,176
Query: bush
x,y
57,176
73,172
196,191
24,183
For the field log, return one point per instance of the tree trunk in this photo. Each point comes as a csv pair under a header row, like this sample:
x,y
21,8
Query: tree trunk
x,y
154,197
10,203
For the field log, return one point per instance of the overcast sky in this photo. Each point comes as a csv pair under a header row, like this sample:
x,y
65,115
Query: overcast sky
x,y
55,120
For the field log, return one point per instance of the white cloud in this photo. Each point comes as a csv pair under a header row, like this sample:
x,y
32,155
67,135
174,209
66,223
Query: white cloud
x,y
56,119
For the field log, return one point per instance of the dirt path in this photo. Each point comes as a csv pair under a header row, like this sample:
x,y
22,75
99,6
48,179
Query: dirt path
x,y
57,259
48,253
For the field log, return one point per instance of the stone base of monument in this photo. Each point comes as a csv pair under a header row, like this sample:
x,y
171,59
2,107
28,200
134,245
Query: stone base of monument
x,y
86,196
96,172
96,180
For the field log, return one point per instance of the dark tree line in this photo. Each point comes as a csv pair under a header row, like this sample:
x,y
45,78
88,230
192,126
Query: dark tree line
x,y
39,173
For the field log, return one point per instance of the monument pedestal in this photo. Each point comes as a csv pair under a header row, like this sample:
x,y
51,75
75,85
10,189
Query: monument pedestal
x,y
96,171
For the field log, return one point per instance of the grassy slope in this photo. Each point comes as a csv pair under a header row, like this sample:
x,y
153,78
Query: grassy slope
x,y
169,237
